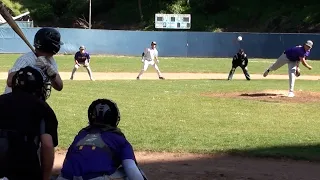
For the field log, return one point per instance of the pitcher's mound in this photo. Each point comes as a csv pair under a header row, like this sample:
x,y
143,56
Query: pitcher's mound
x,y
272,96
267,93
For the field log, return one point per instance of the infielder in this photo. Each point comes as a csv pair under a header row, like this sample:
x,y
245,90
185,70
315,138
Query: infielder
x,y
149,56
292,57
99,149
240,59
82,58
47,43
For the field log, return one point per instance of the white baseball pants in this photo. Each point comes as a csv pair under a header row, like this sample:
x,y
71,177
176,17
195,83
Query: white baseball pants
x,y
146,64
86,65
282,60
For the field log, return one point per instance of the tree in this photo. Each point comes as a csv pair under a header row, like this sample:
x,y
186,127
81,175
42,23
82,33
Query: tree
x,y
140,10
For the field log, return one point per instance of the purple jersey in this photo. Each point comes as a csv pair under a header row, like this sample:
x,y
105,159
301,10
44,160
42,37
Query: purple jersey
x,y
294,53
81,58
105,156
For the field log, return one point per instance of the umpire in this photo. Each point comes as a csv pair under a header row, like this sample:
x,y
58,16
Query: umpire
x,y
26,120
240,59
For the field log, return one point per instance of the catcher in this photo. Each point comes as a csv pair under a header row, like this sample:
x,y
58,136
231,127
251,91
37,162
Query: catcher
x,y
240,59
101,150
82,58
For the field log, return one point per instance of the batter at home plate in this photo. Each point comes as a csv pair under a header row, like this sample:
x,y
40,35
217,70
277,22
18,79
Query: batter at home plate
x,y
150,57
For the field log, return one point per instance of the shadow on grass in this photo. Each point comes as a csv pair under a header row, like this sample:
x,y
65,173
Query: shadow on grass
x,y
271,163
294,152
259,94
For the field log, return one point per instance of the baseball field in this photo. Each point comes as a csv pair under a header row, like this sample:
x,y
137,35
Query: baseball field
x,y
196,124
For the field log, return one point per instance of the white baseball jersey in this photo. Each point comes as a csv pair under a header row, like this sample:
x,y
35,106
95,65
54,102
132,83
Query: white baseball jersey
x,y
28,59
150,54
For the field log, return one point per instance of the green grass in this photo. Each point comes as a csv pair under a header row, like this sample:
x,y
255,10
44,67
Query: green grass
x,y
133,64
172,116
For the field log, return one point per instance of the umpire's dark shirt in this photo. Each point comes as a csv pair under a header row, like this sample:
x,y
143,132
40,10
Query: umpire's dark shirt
x,y
240,59
26,113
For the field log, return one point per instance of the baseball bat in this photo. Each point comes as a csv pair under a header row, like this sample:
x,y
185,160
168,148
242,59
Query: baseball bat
x,y
7,16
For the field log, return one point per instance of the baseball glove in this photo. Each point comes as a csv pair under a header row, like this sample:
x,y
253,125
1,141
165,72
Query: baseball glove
x,y
297,73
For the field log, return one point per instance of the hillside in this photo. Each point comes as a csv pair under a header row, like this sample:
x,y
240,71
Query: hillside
x,y
207,15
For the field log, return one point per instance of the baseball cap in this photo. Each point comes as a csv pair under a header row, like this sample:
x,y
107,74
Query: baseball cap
x,y
309,43
153,42
82,47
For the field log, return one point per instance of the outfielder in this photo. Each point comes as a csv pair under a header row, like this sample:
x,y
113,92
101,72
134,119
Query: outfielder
x,y
149,56
82,58
101,148
292,57
240,59
47,43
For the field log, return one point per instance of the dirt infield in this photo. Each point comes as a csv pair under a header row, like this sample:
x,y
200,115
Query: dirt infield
x,y
182,166
126,76
271,96
129,76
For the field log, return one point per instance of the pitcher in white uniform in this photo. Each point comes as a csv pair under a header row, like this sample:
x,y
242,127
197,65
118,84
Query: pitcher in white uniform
x,y
149,56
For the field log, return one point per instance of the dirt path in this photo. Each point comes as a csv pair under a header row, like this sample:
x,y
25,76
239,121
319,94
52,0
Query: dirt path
x,y
177,166
172,166
128,76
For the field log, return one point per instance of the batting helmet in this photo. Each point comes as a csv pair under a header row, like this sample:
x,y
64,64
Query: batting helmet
x,y
32,80
48,40
104,112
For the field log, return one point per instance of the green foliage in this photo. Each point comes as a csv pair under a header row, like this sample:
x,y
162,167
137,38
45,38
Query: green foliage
x,y
15,7
44,12
178,7
207,15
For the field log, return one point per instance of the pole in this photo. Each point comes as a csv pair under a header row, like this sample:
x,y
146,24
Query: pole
x,y
89,14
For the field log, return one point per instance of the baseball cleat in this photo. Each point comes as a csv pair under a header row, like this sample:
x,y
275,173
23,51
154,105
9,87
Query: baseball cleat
x,y
265,74
291,94
162,78
138,78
